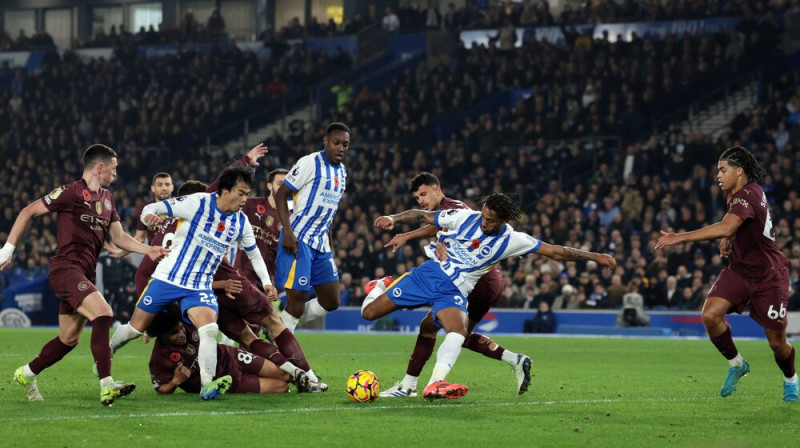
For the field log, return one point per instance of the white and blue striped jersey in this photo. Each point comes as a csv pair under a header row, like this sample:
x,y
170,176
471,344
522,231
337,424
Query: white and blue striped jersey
x,y
472,253
318,186
204,235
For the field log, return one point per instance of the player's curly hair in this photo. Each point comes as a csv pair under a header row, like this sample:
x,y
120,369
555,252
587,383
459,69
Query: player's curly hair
x,y
504,206
740,157
164,321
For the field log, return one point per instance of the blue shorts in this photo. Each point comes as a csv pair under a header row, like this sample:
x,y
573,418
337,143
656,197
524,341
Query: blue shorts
x,y
158,295
309,268
426,284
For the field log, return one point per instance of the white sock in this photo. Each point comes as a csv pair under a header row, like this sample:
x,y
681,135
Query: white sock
x,y
312,311
123,335
509,357
290,368
737,361
793,379
289,320
446,356
207,353
29,375
409,382
106,383
376,292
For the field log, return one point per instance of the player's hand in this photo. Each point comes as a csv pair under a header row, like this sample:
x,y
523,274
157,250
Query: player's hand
x,y
290,242
607,261
256,153
397,242
231,287
384,222
271,291
156,253
667,239
441,251
152,220
725,247
145,338
181,374
6,255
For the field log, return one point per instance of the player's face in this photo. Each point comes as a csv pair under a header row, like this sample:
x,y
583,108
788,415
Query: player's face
x,y
175,336
233,200
108,172
276,183
728,175
162,188
336,145
428,197
490,222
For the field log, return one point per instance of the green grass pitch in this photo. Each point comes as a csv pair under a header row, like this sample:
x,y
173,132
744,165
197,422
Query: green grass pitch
x,y
585,392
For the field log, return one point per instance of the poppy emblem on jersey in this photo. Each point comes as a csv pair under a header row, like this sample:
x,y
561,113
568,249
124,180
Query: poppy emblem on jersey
x,y
175,357
336,181
86,195
83,286
261,209
475,244
221,227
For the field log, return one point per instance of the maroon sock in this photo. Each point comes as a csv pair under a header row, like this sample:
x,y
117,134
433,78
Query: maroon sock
x,y
101,350
422,353
786,365
266,350
725,345
290,348
484,348
51,353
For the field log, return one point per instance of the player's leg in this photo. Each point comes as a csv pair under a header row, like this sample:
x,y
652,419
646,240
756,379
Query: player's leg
x,y
140,321
714,311
325,280
293,273
290,348
156,296
520,364
378,307
784,357
454,321
201,308
423,349
70,327
259,375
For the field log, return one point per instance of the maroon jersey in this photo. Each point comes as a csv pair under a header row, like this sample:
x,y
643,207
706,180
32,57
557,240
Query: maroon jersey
x,y
449,204
151,231
166,357
163,236
267,229
754,252
84,217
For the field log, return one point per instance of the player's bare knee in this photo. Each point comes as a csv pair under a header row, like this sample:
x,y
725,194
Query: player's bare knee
x,y
710,318
70,340
369,313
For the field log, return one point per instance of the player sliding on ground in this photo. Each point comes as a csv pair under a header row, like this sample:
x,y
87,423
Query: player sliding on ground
x,y
471,243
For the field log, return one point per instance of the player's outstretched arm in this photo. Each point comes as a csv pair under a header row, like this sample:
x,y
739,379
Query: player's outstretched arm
x,y
32,210
563,253
723,229
128,243
401,239
414,217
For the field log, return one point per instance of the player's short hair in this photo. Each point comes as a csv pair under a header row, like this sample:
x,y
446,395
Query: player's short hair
x,y
273,173
336,126
164,321
234,174
97,153
191,187
423,178
160,175
740,157
504,206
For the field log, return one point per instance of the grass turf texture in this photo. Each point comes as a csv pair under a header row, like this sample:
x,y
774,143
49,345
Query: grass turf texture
x,y
585,392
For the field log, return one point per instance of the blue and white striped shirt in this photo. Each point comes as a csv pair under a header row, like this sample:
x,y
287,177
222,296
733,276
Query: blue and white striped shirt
x,y
472,253
203,237
318,186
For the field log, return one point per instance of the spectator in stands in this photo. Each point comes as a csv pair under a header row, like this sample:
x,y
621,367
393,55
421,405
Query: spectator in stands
x,y
216,24
543,322
390,22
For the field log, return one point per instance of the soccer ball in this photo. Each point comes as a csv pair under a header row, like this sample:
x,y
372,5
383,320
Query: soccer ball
x,y
363,386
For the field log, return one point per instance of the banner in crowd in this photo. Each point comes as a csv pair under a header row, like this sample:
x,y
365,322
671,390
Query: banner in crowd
x,y
34,298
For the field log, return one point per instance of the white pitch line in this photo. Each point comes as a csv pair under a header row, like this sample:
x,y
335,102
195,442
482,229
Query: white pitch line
x,y
351,408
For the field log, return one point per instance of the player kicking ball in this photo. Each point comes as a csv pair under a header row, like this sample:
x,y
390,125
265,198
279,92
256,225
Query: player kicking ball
x,y
471,243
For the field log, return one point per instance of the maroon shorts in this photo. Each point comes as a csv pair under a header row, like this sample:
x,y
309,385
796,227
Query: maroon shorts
x,y
249,367
251,304
769,298
71,285
141,280
487,291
